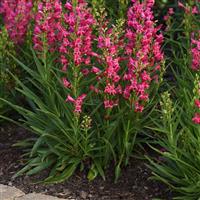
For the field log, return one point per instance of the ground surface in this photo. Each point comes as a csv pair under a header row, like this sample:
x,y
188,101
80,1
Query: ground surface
x,y
134,183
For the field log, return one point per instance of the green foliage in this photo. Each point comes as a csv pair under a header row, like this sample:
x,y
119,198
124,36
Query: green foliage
x,y
178,161
65,141
6,81
177,143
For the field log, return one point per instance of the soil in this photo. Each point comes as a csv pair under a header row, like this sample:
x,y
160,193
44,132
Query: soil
x,y
134,184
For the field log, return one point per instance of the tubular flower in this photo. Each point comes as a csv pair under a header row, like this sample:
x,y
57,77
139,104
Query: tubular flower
x,y
77,102
196,118
16,16
144,53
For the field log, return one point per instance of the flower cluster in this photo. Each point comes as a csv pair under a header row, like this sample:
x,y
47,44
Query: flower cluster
x,y
195,50
188,8
124,65
47,18
108,71
77,102
144,53
196,91
16,15
78,29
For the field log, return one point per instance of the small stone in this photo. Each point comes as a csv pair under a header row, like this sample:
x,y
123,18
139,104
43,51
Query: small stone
x,y
101,188
146,188
134,187
83,194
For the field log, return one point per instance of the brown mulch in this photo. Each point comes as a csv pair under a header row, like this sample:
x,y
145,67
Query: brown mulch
x,y
134,184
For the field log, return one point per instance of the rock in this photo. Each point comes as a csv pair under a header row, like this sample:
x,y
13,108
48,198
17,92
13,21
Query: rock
x,y
83,194
9,193
10,183
101,188
66,191
146,188
34,196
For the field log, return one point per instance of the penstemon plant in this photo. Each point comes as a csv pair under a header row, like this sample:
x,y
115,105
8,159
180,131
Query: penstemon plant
x,y
91,88
178,162
15,17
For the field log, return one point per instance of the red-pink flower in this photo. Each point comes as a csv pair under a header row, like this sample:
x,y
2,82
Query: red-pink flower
x,y
109,104
95,70
78,102
195,51
66,83
196,118
171,11
197,103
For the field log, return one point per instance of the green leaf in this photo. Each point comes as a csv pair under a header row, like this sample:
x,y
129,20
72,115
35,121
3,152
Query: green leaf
x,y
63,176
93,173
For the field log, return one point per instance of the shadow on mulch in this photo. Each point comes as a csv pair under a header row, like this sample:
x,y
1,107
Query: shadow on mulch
x,y
134,184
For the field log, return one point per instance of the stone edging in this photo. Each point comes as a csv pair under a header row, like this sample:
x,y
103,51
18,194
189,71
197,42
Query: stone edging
x,y
12,193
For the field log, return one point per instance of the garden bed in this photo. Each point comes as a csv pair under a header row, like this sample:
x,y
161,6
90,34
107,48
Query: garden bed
x,y
133,184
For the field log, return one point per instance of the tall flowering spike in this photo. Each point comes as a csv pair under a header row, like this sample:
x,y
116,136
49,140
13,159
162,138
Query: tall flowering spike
x,y
195,51
76,35
75,47
16,15
108,76
47,18
144,53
